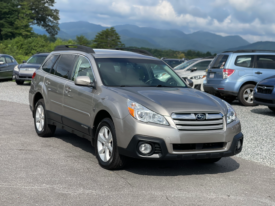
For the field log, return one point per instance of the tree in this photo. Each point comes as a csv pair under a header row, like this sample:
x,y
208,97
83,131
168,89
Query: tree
x,y
82,40
44,15
107,38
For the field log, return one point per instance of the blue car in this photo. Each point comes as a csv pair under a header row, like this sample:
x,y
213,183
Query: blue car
x,y
235,74
23,72
264,93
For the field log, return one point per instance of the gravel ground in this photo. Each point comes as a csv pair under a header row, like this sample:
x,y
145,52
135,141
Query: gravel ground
x,y
258,124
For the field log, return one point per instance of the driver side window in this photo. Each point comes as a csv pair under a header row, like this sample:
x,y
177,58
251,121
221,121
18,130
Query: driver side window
x,y
2,59
82,68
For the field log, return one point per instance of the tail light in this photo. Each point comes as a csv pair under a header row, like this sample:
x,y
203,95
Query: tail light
x,y
34,74
227,73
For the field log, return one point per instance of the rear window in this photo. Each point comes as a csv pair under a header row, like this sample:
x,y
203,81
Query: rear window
x,y
265,61
244,61
219,61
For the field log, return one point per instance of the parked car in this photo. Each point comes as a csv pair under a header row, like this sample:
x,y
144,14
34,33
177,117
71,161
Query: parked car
x,y
113,99
235,74
7,64
173,62
264,93
23,72
195,69
197,78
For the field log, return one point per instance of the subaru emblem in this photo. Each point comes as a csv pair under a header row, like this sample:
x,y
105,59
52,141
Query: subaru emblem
x,y
200,117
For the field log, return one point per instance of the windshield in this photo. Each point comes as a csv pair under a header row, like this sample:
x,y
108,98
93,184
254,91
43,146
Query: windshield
x,y
36,59
184,65
122,72
173,63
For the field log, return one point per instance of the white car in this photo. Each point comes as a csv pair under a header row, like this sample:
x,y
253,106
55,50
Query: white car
x,y
197,77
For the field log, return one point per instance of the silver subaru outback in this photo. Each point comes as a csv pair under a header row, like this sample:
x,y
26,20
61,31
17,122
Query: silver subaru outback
x,y
116,100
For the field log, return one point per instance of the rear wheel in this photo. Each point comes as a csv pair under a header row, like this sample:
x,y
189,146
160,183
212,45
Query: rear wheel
x,y
43,129
19,82
106,146
272,108
209,161
246,95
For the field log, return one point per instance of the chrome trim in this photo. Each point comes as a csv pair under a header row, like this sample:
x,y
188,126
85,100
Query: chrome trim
x,y
57,102
199,122
195,128
183,116
214,116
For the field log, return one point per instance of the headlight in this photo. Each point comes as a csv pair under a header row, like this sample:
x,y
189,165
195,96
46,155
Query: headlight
x,y
16,68
143,114
198,77
231,114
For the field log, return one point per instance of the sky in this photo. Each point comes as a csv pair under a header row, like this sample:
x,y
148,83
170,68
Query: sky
x,y
254,20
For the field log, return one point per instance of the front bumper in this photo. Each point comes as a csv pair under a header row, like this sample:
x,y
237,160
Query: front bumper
x,y
23,76
264,99
132,150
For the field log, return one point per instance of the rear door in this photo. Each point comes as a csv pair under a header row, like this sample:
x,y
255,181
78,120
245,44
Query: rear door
x,y
264,67
3,67
10,66
55,83
78,100
215,71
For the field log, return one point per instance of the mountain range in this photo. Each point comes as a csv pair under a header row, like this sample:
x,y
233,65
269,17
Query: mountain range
x,y
132,35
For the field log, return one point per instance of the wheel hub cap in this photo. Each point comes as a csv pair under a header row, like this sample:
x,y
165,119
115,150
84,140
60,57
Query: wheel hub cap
x,y
105,144
39,118
248,95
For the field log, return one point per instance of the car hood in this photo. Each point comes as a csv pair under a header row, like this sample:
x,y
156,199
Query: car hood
x,y
25,65
166,101
268,82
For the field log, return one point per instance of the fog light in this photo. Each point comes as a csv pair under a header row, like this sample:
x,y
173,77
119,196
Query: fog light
x,y
239,144
145,148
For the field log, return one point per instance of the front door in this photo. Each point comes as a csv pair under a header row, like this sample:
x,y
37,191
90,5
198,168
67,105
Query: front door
x,y
78,100
3,68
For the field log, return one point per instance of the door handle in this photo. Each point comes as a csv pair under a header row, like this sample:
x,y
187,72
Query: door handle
x,y
48,82
258,72
68,89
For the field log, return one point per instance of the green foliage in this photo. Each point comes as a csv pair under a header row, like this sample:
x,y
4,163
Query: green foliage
x,y
82,40
17,16
22,49
107,39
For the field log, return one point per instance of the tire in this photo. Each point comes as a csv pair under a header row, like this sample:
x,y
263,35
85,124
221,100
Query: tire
x,y
229,99
245,97
40,118
209,161
272,108
19,82
105,139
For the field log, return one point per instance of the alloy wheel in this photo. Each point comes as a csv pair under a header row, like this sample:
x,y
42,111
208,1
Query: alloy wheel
x,y
105,144
39,118
248,95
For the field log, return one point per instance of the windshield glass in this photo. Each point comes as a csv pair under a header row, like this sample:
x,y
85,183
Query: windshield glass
x,y
36,59
124,72
173,63
184,65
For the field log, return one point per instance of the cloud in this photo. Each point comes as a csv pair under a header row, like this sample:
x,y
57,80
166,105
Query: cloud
x,y
252,19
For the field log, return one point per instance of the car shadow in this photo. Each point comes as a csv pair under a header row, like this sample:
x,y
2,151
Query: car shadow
x,y
263,111
156,167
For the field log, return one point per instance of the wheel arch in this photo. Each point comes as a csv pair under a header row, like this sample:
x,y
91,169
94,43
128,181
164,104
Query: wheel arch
x,y
245,83
36,98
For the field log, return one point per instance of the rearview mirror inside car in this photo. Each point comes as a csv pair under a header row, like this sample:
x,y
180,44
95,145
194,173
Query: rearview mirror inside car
x,y
194,69
84,81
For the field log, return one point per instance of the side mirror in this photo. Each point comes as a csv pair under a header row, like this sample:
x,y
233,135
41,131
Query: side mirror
x,y
84,81
193,69
189,82
2,63
24,61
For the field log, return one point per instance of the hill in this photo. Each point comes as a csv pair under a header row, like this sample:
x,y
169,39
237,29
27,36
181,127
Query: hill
x,y
261,45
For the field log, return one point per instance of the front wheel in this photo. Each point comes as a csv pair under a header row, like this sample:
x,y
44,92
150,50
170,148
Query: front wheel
x,y
272,108
246,95
106,146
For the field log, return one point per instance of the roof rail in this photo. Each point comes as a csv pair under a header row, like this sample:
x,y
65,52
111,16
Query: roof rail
x,y
74,48
140,51
254,50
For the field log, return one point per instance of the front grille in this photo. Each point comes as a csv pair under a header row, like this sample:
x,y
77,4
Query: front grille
x,y
198,121
201,146
264,89
264,100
